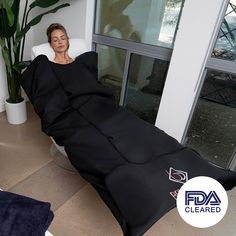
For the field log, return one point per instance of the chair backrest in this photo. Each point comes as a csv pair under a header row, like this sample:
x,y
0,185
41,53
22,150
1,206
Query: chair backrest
x,y
77,47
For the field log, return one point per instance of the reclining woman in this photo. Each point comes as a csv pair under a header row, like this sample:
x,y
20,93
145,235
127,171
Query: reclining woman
x,y
127,160
58,39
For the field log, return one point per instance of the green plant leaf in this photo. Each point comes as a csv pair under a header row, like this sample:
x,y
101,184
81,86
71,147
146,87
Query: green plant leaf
x,y
2,42
43,3
5,4
8,17
35,21
5,53
21,65
16,45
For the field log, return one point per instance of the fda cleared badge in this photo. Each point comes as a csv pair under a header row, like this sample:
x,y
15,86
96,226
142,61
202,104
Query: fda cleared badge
x,y
202,202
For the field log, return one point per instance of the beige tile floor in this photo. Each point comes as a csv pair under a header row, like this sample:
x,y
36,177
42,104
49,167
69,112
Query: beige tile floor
x,y
27,168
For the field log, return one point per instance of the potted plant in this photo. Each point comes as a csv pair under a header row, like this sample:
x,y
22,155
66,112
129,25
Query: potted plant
x,y
13,29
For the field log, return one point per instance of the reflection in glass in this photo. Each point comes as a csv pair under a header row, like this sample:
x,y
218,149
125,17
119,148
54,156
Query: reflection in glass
x,y
149,22
145,85
212,131
111,63
225,47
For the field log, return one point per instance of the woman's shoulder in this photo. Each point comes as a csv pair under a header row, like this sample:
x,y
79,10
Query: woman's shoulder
x,y
40,57
38,60
90,55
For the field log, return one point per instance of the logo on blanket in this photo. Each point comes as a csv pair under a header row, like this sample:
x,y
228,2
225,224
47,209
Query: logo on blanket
x,y
174,193
202,202
178,176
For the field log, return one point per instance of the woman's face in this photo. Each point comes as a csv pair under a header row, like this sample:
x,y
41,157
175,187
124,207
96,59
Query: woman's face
x,y
59,41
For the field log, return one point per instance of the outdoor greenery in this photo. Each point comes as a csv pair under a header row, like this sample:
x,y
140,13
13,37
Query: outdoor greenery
x,y
13,29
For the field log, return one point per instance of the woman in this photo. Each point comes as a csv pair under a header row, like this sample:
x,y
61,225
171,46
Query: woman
x,y
133,165
59,41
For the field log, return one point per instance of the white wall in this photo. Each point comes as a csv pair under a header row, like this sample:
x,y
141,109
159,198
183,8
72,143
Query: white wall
x,y
89,23
198,29
3,85
72,17
77,19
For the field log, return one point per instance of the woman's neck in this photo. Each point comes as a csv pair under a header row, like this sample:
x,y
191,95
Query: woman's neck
x,y
62,58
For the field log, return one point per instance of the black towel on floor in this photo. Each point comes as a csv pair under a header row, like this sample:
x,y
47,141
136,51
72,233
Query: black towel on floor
x,y
23,216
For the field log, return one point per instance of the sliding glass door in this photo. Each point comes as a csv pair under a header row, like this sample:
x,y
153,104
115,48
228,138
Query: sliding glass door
x,y
134,40
212,130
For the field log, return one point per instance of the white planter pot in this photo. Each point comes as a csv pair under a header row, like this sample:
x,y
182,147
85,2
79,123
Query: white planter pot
x,y
16,112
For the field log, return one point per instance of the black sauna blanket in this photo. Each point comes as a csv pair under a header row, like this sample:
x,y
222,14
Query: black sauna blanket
x,y
135,167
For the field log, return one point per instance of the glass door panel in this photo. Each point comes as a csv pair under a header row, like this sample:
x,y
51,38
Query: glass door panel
x,y
111,63
212,131
220,87
149,22
146,80
225,47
